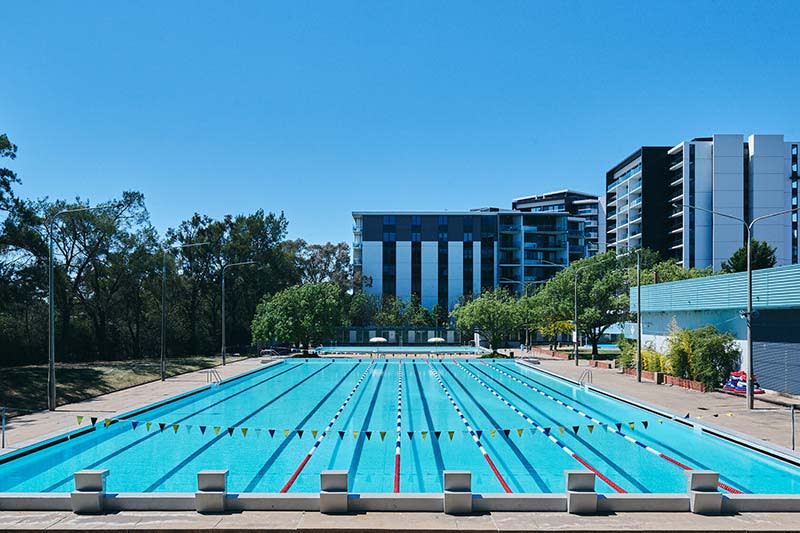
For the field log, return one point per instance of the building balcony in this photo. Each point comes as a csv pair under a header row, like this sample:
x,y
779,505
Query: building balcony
x,y
509,228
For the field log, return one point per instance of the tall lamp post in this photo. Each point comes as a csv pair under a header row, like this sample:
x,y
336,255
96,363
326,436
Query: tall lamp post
x,y
223,301
167,250
545,262
51,348
748,226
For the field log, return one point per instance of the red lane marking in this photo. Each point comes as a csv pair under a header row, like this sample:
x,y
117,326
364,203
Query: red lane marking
x,y
600,475
296,473
729,488
397,473
497,473
674,461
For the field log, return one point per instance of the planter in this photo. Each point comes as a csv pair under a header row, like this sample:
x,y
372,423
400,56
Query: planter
x,y
601,364
685,383
646,374
550,353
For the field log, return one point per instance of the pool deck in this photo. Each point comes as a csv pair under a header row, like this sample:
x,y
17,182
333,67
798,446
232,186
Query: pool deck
x,y
767,422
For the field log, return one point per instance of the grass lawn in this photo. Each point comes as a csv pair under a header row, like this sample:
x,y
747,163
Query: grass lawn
x,y
25,387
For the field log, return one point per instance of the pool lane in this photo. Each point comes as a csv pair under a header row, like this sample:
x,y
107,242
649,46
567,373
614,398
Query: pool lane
x,y
608,427
476,439
128,452
659,475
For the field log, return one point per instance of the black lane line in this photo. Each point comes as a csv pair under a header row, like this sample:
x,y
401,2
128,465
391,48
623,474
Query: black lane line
x,y
613,465
365,424
217,438
514,448
690,460
437,451
275,454
150,435
409,412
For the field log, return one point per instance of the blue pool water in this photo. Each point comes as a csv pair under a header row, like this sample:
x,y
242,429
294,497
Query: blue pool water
x,y
284,409
379,348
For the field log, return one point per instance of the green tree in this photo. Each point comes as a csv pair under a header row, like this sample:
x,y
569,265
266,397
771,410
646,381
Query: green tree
x,y
602,295
302,314
494,314
391,313
7,176
703,354
762,255
417,315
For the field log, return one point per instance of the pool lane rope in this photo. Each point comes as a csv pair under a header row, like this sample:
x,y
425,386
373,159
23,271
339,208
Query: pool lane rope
x,y
399,427
543,431
471,431
609,427
325,431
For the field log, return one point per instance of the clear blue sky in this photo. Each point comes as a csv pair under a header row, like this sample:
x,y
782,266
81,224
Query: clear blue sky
x,y
321,108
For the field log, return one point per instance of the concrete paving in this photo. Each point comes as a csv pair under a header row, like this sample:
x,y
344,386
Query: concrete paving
x,y
766,422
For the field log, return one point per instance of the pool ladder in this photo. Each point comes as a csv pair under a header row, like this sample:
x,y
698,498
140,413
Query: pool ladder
x,y
212,376
586,378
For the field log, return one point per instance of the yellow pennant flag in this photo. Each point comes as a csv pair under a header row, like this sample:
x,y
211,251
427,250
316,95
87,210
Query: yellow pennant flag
x,y
314,433
520,432
424,435
80,419
355,434
148,425
728,414
383,435
590,428
561,429
244,432
492,433
285,432
217,429
175,427
107,422
632,425
451,434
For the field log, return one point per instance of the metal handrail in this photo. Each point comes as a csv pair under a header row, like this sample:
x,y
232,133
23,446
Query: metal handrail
x,y
586,377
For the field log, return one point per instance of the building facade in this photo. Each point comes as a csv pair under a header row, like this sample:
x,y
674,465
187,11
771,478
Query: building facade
x,y
442,256
588,207
648,196
719,301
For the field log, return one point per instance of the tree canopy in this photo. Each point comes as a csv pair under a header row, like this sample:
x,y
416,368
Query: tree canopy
x,y
762,255
302,314
494,314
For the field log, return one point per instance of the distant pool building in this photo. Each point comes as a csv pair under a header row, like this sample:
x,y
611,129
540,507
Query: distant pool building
x,y
719,301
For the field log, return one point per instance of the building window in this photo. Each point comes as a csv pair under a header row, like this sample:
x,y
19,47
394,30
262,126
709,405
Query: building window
x,y
442,220
467,236
389,236
416,236
416,220
389,219
442,235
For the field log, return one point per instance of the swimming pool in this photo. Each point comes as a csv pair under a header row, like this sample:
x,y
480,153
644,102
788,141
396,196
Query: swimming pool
x,y
395,425
380,348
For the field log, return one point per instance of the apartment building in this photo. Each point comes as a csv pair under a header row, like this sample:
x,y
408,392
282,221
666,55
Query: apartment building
x,y
443,255
588,207
687,201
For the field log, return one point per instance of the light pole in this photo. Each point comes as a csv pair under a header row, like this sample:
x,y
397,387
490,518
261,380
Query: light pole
x,y
748,226
166,250
51,348
223,302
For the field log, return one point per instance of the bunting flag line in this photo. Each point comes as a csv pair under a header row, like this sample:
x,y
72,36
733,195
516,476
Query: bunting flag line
x,y
80,419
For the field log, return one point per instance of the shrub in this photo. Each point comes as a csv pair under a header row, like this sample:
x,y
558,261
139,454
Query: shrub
x,y
652,361
704,354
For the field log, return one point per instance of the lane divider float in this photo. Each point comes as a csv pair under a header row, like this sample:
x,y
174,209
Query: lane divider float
x,y
608,427
471,431
327,429
399,427
543,431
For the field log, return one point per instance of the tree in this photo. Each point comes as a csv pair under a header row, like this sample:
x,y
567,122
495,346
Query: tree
x,y
7,176
417,315
602,295
326,262
302,314
703,354
391,313
494,314
762,255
